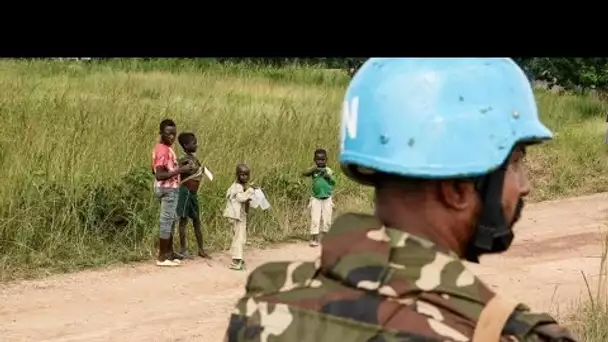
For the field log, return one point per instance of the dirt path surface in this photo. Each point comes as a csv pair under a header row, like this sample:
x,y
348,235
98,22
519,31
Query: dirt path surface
x,y
556,241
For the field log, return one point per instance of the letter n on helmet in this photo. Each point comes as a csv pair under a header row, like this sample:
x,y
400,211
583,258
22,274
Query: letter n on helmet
x,y
436,117
441,118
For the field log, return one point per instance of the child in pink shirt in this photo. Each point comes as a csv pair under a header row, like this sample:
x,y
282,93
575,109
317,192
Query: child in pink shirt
x,y
166,185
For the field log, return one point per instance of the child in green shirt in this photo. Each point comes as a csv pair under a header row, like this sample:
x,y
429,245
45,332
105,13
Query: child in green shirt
x,y
321,204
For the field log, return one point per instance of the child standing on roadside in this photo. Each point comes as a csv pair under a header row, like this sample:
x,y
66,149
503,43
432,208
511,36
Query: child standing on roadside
x,y
187,202
237,207
321,204
166,174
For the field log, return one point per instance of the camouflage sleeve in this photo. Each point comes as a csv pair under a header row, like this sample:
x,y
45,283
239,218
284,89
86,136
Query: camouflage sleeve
x,y
284,300
526,326
554,332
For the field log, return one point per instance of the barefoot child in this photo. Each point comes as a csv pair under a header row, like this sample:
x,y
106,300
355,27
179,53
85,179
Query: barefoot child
x,y
166,173
187,202
321,204
237,207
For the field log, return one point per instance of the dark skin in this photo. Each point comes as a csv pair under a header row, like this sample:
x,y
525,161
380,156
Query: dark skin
x,y
242,177
192,185
320,160
190,148
451,207
167,137
242,174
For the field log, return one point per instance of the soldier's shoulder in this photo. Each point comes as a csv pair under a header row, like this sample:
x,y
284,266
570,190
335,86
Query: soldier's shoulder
x,y
280,276
527,325
261,306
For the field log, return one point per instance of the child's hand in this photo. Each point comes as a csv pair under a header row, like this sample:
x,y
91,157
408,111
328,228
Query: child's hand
x,y
188,167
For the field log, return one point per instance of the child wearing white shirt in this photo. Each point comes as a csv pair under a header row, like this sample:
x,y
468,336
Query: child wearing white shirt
x,y
238,197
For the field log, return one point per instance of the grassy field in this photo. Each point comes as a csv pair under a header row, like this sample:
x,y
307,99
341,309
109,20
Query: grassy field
x,y
76,141
77,138
76,147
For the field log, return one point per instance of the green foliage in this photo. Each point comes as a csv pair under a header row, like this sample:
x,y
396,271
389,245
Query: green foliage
x,y
77,190
571,73
577,73
574,73
77,136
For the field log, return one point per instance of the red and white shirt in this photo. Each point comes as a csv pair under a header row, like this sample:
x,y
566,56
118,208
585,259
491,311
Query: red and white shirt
x,y
163,155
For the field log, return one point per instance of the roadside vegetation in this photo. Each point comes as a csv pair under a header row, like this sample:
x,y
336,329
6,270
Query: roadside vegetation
x,y
76,140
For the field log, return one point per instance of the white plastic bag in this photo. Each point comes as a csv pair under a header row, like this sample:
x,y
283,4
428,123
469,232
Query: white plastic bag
x,y
208,173
259,200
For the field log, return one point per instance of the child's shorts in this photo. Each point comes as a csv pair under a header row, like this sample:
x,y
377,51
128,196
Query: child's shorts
x,y
187,204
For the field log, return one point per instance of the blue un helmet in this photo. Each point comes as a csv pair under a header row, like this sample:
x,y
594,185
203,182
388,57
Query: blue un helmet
x,y
441,118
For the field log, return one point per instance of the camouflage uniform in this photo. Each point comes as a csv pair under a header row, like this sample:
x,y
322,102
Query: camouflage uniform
x,y
374,284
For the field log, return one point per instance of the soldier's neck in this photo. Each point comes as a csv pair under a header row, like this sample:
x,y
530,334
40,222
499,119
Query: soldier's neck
x,y
422,220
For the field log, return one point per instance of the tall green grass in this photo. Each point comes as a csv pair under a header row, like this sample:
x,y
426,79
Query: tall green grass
x,y
590,316
76,141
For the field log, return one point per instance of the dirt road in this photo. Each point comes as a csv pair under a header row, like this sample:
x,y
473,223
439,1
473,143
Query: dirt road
x,y
556,241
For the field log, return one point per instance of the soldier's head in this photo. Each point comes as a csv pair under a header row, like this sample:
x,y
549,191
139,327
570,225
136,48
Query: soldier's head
x,y
443,140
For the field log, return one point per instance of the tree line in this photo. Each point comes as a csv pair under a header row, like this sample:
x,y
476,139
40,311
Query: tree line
x,y
572,73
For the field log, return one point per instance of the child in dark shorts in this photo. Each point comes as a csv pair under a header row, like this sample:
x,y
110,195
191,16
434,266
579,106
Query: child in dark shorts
x,y
187,203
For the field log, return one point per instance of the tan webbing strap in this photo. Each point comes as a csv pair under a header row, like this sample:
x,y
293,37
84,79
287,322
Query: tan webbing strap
x,y
198,173
493,318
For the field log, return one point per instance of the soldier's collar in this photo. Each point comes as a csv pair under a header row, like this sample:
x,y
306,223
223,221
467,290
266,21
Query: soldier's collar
x,y
359,251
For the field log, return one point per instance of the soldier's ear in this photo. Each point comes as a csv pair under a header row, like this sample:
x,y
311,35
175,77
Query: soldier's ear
x,y
456,194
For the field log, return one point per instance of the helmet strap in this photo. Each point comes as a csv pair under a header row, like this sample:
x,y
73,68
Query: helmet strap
x,y
492,234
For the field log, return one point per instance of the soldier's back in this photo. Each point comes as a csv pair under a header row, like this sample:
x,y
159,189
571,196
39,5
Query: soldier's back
x,y
378,284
